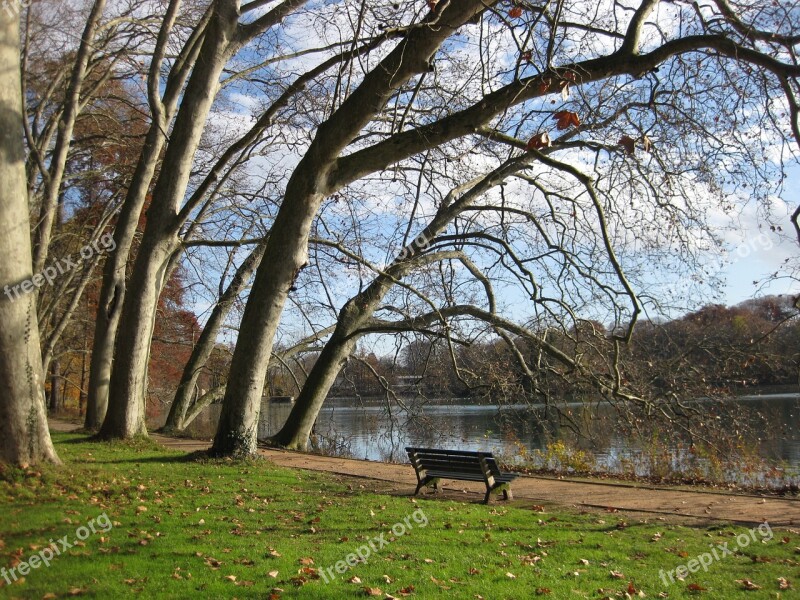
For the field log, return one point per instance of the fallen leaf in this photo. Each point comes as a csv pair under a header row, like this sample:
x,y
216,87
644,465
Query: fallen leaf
x,y
230,577
354,579
273,574
748,585
783,584
617,575
406,591
373,591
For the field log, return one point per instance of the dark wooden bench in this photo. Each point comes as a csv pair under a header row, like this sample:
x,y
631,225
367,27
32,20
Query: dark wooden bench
x,y
432,464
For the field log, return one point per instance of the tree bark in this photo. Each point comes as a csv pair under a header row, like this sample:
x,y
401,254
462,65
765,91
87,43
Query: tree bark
x,y
295,432
287,248
177,418
24,437
125,417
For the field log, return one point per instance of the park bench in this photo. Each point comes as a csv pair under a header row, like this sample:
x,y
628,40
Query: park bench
x,y
432,464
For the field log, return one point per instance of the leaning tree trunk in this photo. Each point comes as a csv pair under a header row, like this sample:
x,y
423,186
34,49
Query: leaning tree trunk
x,y
125,417
285,255
128,383
24,437
287,248
295,432
353,317
58,158
112,293
176,420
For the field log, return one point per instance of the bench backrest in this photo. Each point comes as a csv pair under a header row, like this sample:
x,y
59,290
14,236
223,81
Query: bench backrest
x,y
459,461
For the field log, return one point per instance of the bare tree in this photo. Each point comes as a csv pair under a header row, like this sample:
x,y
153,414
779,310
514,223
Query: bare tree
x,y
615,77
287,247
356,317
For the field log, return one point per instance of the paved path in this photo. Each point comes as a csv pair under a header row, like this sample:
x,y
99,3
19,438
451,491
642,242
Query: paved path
x,y
691,505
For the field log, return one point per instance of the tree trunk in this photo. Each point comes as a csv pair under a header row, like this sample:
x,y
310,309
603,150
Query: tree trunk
x,y
24,437
58,159
125,417
295,432
128,383
355,314
55,376
176,420
82,388
112,293
285,255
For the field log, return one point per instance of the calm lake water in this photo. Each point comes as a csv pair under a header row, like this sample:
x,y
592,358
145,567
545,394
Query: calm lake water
x,y
370,431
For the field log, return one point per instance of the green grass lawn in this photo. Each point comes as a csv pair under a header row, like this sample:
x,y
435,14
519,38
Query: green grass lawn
x,y
179,527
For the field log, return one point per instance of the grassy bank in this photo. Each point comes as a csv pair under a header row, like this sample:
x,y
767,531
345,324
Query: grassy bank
x,y
167,525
